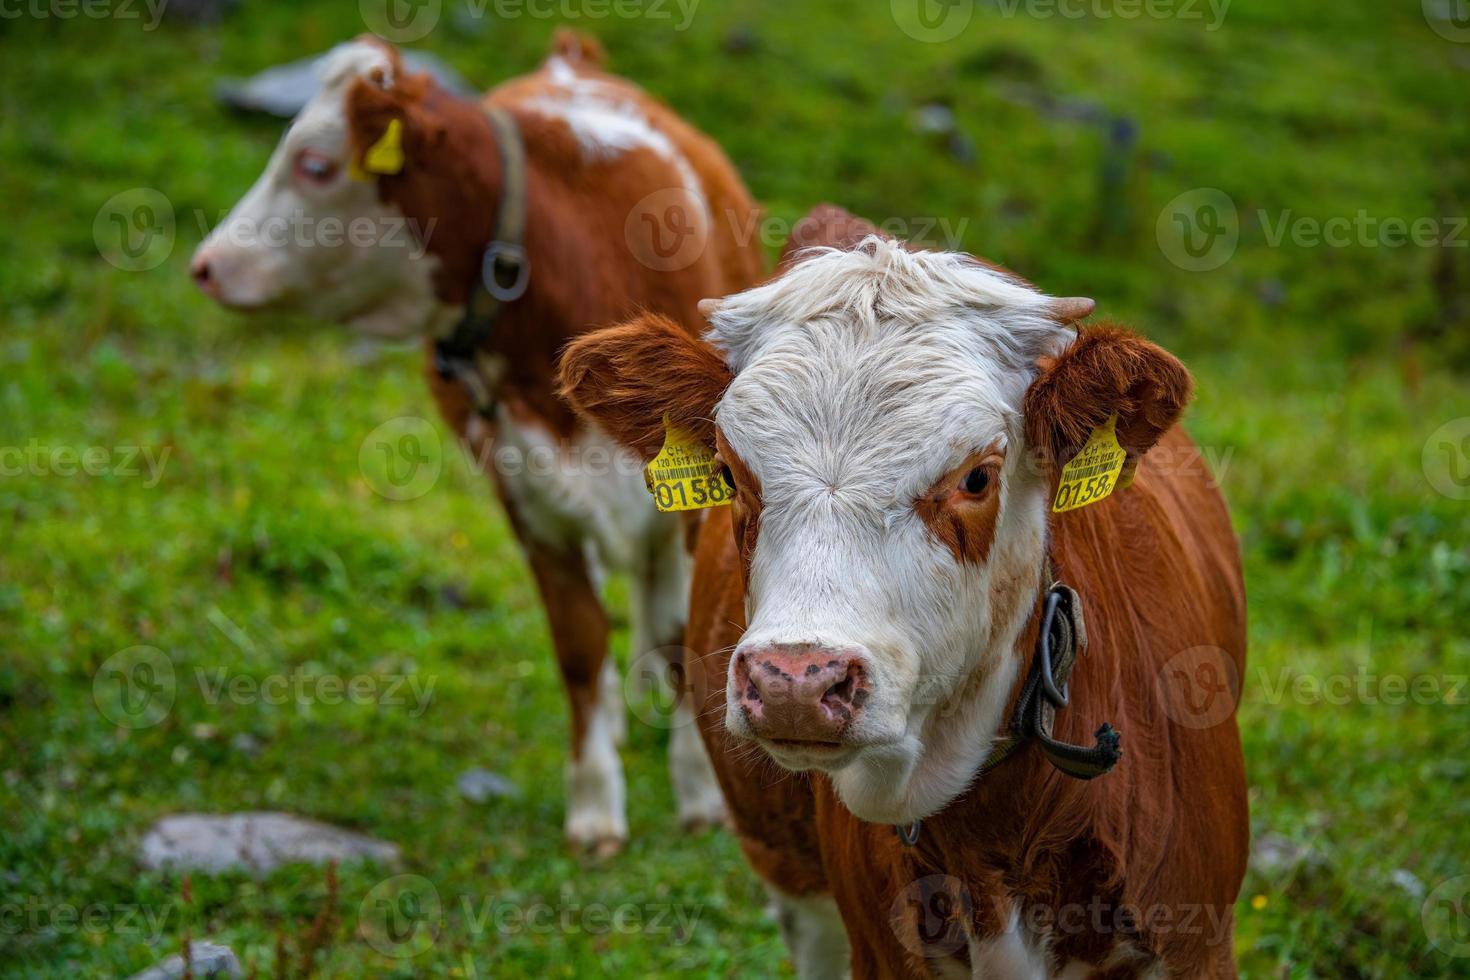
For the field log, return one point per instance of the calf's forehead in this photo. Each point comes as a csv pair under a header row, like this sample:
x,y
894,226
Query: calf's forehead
x,y
322,122
882,409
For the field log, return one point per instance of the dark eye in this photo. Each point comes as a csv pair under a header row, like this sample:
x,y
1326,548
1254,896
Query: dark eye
x,y
729,477
314,167
975,481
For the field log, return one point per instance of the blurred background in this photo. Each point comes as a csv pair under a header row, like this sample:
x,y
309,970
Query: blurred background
x,y
1276,190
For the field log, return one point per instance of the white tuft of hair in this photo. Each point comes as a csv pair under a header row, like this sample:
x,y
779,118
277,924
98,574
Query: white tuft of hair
x,y
353,60
881,286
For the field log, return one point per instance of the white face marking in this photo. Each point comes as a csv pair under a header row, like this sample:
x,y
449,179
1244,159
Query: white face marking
x,y
861,378
310,238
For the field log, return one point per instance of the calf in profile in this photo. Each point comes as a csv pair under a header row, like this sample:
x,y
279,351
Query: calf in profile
x,y
528,211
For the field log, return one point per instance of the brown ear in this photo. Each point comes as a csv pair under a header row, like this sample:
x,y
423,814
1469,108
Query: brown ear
x,y
1106,370
370,108
627,378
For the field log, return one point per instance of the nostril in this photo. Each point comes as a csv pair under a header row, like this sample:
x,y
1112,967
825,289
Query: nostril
x,y
850,692
200,272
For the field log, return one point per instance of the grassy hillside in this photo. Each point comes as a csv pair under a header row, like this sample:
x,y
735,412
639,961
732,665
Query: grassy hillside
x,y
1067,148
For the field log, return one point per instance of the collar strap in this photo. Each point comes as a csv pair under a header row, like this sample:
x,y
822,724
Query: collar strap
x,y
1062,637
505,271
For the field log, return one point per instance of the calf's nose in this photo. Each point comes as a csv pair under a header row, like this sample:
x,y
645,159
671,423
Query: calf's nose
x,y
203,275
800,692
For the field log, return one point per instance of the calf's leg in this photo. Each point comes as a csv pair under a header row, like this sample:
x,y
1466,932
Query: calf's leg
x,y
596,815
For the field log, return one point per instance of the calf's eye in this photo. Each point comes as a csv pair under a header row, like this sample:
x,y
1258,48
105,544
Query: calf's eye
x,y
728,476
313,167
975,481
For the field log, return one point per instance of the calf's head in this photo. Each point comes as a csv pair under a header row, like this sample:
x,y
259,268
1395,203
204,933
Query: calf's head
x,y
893,422
342,223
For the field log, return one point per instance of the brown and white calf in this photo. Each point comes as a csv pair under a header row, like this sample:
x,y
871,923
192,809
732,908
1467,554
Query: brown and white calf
x,y
411,230
894,422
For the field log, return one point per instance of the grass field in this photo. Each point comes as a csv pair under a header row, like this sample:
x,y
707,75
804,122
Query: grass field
x,y
257,546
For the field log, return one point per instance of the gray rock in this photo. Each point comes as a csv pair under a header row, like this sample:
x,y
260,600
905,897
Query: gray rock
x,y
257,842
1408,881
1274,853
285,89
206,960
479,785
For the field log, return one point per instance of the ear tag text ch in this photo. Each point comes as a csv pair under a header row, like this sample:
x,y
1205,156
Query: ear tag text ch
x,y
682,476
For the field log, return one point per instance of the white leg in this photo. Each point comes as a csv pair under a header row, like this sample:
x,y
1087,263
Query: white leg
x,y
595,792
814,934
696,791
610,701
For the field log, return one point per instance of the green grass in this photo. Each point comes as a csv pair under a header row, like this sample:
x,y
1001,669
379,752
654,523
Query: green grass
x,y
263,549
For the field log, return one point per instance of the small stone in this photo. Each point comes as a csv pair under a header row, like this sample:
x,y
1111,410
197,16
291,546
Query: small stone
x,y
1271,853
206,960
257,842
1408,881
245,744
934,118
480,785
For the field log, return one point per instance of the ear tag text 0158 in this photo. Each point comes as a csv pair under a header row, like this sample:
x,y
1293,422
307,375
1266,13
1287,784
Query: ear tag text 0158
x,y
386,155
682,476
1092,474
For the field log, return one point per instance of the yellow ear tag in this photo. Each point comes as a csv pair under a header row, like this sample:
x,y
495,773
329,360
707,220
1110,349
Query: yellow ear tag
x,y
1092,474
682,476
386,155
